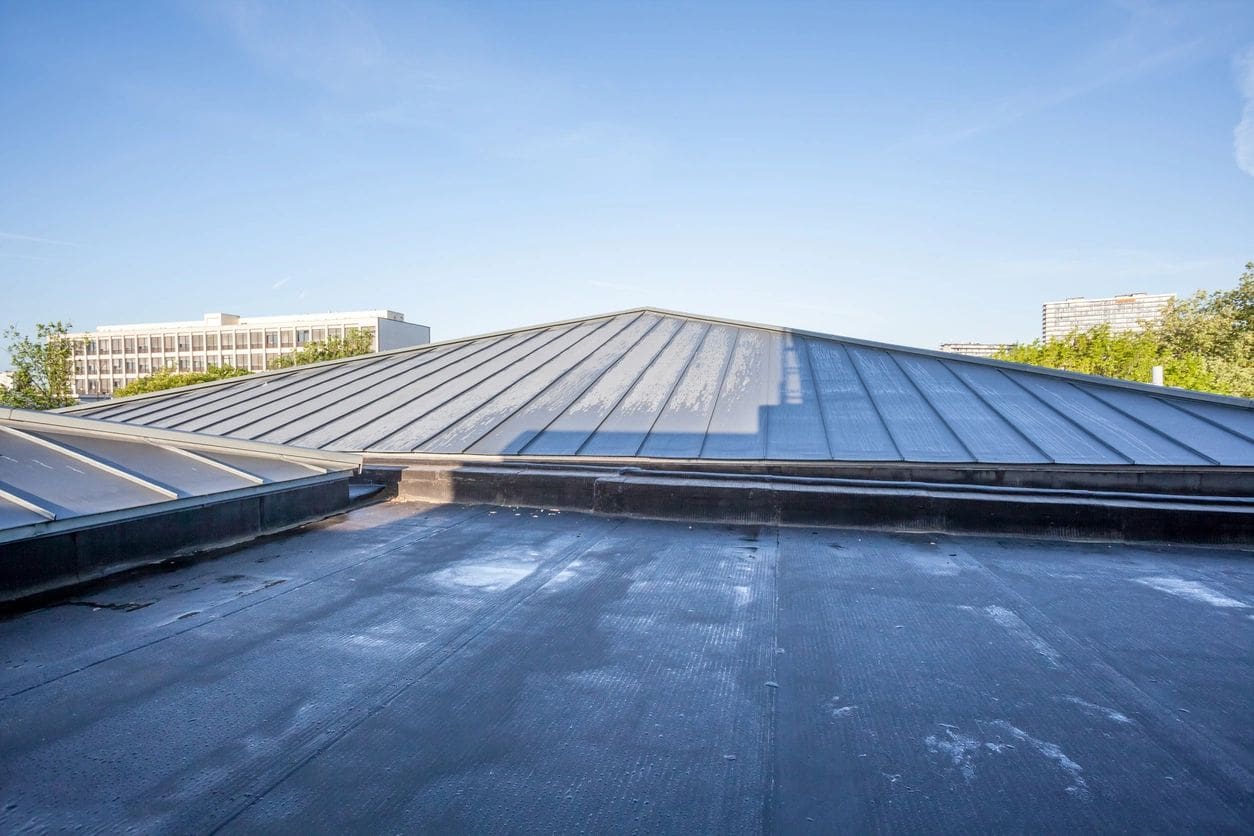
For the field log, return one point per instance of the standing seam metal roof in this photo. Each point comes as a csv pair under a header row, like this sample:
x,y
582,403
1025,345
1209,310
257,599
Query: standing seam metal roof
x,y
65,470
658,384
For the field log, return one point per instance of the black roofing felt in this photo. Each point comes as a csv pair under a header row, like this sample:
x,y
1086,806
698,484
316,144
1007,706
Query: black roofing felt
x,y
655,384
462,669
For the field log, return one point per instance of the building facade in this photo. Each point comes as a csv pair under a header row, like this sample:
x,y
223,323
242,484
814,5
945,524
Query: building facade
x,y
975,349
1121,313
115,355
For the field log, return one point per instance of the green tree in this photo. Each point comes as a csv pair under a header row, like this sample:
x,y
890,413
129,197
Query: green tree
x,y
43,368
169,379
355,341
1218,327
1205,342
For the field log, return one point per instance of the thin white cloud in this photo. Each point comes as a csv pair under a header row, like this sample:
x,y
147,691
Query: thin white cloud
x,y
31,239
1154,37
1243,135
427,69
280,283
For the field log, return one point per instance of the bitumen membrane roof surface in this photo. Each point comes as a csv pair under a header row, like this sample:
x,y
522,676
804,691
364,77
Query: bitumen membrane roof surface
x,y
435,668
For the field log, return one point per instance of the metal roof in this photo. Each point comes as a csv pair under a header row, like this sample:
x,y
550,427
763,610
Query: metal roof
x,y
659,384
59,472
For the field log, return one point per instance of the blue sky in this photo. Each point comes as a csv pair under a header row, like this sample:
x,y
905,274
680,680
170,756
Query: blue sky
x,y
905,172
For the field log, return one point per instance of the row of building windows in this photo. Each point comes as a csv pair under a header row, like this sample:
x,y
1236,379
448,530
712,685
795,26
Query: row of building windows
x,y
255,362
226,340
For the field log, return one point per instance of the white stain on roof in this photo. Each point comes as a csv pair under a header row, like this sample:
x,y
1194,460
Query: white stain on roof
x,y
1018,628
1192,590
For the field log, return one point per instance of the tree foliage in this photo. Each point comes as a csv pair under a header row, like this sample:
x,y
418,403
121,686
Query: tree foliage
x,y
168,379
354,342
42,368
1204,342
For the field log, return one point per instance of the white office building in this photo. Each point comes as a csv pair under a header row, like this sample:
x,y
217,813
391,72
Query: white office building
x,y
1121,313
115,355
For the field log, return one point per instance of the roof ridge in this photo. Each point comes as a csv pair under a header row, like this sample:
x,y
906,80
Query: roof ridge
x,y
1089,379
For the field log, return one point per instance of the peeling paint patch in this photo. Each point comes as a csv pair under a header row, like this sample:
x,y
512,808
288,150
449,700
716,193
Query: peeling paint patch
x,y
1051,751
1193,591
960,749
1093,708
836,709
489,575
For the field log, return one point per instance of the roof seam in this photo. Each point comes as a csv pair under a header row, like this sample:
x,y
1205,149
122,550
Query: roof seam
x,y
544,389
644,368
595,380
453,354
7,494
200,457
804,345
1145,424
1005,419
93,461
944,421
401,363
718,395
853,363
271,396
1071,421
422,394
674,386
488,398
1207,419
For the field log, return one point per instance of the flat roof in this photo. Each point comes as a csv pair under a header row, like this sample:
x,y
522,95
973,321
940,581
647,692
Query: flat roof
x,y
656,384
463,668
245,321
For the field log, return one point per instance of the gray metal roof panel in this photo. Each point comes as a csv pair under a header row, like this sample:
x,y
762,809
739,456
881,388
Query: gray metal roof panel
x,y
58,470
662,385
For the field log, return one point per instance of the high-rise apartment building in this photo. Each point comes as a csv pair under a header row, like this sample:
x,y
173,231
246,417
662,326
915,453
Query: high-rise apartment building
x,y
1121,313
115,355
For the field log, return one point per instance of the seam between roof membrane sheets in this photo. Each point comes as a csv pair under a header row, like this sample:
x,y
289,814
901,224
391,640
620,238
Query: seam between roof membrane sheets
x,y
601,375
1005,419
314,378
644,368
453,357
552,336
674,386
143,411
718,394
1207,419
105,466
487,399
932,406
401,367
556,335
516,410
804,346
1072,421
857,373
1098,397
